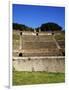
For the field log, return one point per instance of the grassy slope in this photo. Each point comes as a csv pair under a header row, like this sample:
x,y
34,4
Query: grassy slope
x,y
22,78
60,37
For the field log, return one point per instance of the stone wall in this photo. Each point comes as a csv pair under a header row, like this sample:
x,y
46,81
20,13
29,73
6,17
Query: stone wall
x,y
48,64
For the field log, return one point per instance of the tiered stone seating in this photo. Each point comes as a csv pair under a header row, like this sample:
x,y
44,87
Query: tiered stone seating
x,y
31,54
38,45
34,38
61,43
15,44
16,39
33,42
61,40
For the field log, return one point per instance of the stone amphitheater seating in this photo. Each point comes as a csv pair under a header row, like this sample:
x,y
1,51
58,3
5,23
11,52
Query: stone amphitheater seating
x,y
41,38
35,52
15,44
61,43
37,42
38,45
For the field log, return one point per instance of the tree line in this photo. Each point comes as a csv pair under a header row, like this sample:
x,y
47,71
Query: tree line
x,y
50,26
21,27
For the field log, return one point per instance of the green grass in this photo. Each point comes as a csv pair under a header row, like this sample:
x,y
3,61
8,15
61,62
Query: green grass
x,y
15,37
60,37
27,78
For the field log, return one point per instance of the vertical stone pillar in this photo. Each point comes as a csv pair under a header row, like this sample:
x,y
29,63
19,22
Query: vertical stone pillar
x,y
34,31
39,30
20,41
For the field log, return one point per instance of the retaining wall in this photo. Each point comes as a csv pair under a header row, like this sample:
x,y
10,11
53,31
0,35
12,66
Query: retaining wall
x,y
48,64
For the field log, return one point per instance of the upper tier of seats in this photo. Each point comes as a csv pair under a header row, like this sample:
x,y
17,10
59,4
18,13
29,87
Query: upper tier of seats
x,y
37,42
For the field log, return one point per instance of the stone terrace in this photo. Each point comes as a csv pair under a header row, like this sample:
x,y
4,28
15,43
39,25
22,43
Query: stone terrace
x,y
32,45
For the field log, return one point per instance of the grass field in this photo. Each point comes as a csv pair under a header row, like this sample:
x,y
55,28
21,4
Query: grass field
x,y
60,37
16,37
27,78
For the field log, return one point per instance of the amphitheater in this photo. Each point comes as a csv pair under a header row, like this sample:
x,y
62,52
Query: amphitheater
x,y
38,51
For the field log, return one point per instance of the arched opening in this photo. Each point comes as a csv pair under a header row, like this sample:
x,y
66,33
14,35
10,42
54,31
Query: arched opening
x,y
20,55
29,59
36,34
21,33
63,53
52,33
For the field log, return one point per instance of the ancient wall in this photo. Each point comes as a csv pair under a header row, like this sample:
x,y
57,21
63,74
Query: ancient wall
x,y
48,64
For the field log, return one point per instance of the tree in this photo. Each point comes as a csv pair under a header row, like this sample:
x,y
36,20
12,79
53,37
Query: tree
x,y
50,27
21,27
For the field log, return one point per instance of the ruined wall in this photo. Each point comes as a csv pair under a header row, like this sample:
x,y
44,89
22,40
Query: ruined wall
x,y
40,64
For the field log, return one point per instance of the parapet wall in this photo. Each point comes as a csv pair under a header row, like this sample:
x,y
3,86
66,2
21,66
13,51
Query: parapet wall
x,y
48,64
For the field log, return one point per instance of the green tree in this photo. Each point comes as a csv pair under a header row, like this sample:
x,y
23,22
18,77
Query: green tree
x,y
50,27
21,27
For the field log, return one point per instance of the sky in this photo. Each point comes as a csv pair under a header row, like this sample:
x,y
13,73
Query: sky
x,y
33,15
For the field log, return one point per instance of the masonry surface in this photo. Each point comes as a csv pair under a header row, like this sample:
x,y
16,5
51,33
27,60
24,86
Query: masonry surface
x,y
42,52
